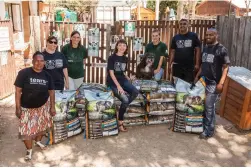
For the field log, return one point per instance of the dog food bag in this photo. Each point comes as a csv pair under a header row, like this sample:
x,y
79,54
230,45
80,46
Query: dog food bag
x,y
189,106
190,100
59,131
102,128
145,85
100,102
134,121
165,92
64,103
141,98
161,119
162,108
73,127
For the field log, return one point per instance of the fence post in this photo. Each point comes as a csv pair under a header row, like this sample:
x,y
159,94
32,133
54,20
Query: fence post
x,y
118,28
35,38
108,39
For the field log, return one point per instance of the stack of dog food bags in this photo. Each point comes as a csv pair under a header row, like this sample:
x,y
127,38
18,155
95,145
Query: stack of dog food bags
x,y
145,85
73,121
60,132
162,104
135,114
81,100
101,114
189,106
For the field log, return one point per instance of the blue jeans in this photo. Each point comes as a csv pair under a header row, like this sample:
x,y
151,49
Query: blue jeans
x,y
126,99
209,113
159,75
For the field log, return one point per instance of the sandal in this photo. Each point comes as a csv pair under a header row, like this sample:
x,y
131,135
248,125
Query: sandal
x,y
28,155
42,146
122,128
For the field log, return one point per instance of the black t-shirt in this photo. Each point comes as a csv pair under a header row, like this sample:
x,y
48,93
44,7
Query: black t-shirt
x,y
184,45
34,86
213,58
119,65
54,65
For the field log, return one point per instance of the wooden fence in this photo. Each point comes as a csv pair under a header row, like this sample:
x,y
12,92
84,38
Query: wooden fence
x,y
97,74
167,28
7,71
235,35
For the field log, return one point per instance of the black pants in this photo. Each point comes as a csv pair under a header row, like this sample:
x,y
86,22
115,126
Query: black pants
x,y
183,72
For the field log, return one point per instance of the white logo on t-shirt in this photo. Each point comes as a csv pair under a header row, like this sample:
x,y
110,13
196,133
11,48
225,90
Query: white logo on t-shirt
x,y
59,63
34,81
118,66
184,43
52,64
208,58
188,43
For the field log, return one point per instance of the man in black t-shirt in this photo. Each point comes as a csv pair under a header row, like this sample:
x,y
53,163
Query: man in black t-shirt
x,y
214,69
184,48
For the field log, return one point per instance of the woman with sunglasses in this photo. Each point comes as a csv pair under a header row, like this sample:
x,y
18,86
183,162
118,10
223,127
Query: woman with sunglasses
x,y
119,82
75,54
56,64
35,103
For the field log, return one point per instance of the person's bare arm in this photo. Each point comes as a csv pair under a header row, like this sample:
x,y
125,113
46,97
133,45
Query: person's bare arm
x,y
224,74
120,89
18,93
197,58
197,75
171,58
52,102
159,65
219,86
65,70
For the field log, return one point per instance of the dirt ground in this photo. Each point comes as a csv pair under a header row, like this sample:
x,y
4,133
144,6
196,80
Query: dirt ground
x,y
147,146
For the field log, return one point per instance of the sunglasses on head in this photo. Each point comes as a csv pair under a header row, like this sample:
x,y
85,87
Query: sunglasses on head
x,y
51,42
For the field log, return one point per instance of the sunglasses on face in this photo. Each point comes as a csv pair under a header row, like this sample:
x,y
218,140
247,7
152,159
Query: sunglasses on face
x,y
51,42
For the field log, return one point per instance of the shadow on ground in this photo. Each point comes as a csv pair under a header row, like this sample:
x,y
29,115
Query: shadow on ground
x,y
149,146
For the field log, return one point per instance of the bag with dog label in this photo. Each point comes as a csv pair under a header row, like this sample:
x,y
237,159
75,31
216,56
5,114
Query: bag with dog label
x,y
189,106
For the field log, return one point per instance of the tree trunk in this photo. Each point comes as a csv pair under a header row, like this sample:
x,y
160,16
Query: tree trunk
x,y
157,10
194,3
180,10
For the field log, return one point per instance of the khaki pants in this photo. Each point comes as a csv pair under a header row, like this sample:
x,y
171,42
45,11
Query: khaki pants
x,y
75,83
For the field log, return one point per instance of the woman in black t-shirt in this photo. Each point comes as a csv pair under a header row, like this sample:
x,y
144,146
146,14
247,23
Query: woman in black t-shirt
x,y
119,82
56,64
35,103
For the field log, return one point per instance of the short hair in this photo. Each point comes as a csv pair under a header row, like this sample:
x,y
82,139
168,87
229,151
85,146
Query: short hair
x,y
213,30
51,38
121,41
36,54
156,31
183,20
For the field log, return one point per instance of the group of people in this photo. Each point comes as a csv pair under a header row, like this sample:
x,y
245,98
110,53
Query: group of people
x,y
53,70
